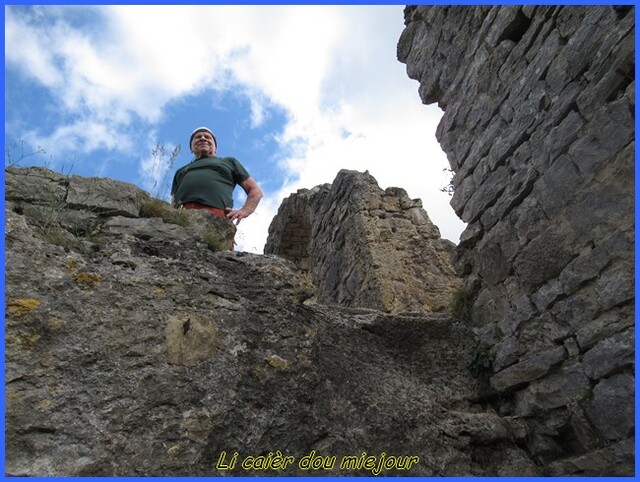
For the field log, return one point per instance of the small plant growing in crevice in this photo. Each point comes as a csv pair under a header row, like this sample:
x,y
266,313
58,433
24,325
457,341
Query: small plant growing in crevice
x,y
57,236
448,189
46,217
481,362
460,305
163,162
153,208
156,208
15,153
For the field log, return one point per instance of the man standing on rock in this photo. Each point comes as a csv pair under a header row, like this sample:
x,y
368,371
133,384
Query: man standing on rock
x,y
208,181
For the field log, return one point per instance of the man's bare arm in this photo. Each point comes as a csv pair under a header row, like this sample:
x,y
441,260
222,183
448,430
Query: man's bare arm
x,y
254,195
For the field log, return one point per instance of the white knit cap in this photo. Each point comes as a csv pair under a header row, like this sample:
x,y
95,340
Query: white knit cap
x,y
203,129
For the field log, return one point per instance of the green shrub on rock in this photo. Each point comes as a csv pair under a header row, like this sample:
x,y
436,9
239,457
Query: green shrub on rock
x,y
460,306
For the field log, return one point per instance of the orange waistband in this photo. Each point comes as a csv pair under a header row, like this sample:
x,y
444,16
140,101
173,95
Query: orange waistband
x,y
217,211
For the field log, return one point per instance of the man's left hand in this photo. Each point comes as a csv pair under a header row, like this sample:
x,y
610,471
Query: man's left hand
x,y
254,194
235,216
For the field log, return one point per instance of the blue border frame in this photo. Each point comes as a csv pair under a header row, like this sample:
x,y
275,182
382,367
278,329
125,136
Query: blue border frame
x,y
636,217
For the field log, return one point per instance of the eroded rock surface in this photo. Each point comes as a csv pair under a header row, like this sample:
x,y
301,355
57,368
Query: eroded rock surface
x,y
132,348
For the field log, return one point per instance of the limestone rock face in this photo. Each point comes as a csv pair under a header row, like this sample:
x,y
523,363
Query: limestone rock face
x,y
365,246
539,130
133,348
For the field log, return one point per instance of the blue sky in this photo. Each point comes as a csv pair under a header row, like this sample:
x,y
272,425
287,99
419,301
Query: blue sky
x,y
296,93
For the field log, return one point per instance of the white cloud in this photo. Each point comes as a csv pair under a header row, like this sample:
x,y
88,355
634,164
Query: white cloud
x,y
397,146
332,69
368,117
23,49
76,138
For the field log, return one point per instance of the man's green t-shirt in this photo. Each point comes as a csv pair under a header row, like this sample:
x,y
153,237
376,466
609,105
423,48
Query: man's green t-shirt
x,y
208,181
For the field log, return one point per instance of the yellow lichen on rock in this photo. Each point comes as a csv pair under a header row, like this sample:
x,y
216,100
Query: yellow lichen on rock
x,y
22,306
43,405
56,322
22,340
87,280
278,363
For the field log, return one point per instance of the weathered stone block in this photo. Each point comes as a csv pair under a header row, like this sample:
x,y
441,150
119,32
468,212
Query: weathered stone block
x,y
544,257
578,309
610,355
586,266
562,136
491,304
551,187
615,285
575,57
605,326
35,185
106,196
507,353
485,195
614,460
557,390
612,407
463,192
527,370
586,435
547,294
543,331
521,311
493,265
610,131
518,189
572,347
527,222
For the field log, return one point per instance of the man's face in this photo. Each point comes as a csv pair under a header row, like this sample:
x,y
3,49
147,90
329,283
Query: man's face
x,y
203,145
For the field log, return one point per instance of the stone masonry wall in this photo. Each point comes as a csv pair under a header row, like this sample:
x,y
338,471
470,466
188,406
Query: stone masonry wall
x,y
539,130
365,246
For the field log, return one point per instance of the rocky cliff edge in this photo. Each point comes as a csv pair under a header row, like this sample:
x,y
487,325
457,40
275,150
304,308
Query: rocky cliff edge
x,y
134,346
